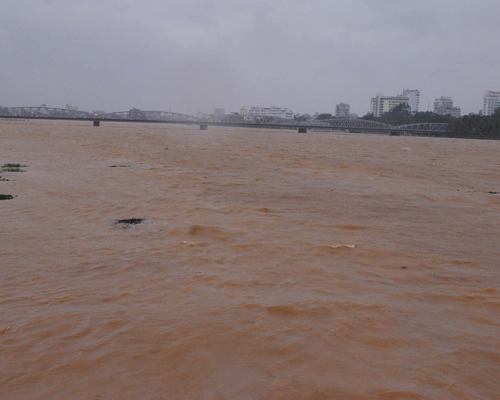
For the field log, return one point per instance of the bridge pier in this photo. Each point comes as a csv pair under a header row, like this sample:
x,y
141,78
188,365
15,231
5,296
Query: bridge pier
x,y
203,127
97,122
302,130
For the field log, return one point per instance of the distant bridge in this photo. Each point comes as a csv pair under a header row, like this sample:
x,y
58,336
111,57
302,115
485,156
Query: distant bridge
x,y
367,125
136,115
133,114
43,112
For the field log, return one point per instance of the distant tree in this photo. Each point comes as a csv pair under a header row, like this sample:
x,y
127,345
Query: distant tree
x,y
466,126
325,116
403,108
399,115
300,118
429,116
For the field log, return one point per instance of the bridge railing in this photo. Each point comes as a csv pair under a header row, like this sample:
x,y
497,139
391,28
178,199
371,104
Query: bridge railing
x,y
368,125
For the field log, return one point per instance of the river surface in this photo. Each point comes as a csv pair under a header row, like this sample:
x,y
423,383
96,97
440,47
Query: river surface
x,y
269,264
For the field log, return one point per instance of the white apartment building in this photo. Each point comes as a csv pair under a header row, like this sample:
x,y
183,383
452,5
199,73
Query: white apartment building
x,y
414,99
381,104
277,112
491,102
444,106
342,110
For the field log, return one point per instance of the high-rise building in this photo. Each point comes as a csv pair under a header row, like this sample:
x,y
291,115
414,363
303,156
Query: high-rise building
x,y
381,104
277,112
491,102
444,106
414,99
342,110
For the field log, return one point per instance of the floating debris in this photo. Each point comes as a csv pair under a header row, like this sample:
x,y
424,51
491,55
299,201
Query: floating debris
x,y
342,246
6,196
13,168
131,221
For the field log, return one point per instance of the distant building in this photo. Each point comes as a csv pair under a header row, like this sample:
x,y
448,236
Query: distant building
x,y
491,102
444,106
277,112
219,111
243,111
381,104
342,110
414,99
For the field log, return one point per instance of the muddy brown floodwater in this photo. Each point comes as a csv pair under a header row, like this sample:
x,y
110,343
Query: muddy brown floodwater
x,y
260,264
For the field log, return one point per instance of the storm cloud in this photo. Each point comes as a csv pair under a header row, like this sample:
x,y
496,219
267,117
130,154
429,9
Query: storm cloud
x,y
194,56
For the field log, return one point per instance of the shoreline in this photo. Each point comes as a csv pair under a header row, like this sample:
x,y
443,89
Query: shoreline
x,y
312,128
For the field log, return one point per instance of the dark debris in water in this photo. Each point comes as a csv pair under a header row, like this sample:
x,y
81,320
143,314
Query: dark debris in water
x,y
6,196
476,190
131,221
13,167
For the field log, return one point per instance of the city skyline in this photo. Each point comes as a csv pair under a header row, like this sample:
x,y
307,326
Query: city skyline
x,y
194,57
404,97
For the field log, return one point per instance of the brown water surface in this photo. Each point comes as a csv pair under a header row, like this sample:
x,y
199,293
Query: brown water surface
x,y
270,264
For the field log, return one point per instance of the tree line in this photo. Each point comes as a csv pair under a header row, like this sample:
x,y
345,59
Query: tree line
x,y
466,126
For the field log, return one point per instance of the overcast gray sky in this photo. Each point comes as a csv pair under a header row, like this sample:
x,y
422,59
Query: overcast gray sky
x,y
196,55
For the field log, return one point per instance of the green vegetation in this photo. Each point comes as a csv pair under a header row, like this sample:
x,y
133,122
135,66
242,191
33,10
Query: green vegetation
x,y
477,125
6,197
302,118
485,127
324,116
13,168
